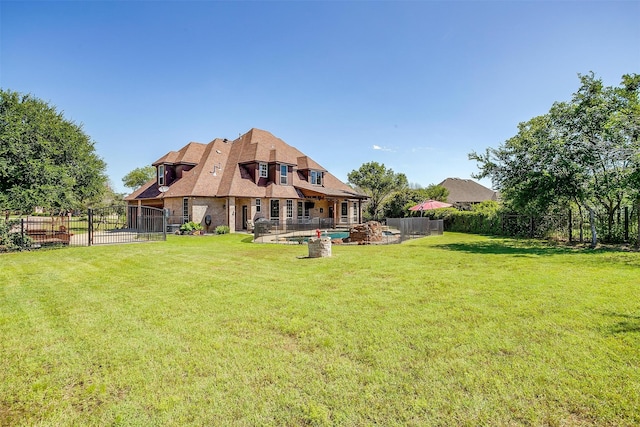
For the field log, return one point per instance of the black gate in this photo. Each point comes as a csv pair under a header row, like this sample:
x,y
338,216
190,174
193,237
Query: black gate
x,y
122,224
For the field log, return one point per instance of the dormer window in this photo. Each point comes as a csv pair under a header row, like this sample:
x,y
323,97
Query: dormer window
x,y
160,175
283,174
316,178
264,171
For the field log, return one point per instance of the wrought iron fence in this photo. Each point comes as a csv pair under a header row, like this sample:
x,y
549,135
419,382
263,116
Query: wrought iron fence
x,y
97,227
574,226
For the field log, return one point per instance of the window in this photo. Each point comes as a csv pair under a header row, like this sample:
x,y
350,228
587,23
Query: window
x,y
264,171
275,209
185,210
289,208
316,178
258,205
161,175
355,212
283,174
300,210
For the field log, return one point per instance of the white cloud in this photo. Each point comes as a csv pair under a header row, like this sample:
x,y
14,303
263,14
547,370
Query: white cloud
x,y
377,147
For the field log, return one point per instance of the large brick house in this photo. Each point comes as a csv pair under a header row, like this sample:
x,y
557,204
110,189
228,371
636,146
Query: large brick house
x,y
255,176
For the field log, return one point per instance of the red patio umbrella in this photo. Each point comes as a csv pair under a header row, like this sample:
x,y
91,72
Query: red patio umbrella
x,y
428,205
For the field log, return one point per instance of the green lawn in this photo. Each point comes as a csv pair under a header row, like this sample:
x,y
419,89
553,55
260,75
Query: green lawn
x,y
213,330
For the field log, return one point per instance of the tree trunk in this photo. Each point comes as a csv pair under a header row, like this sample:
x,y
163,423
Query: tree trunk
x,y
581,222
592,220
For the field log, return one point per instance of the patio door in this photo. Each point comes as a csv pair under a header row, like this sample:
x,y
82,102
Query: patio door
x,y
344,212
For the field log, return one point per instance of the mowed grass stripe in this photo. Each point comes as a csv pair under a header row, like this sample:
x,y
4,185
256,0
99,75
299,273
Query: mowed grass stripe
x,y
451,330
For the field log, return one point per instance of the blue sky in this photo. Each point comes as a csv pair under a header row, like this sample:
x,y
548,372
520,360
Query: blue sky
x,y
416,85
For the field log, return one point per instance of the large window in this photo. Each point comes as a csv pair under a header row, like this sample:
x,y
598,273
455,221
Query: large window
x,y
258,205
283,174
185,210
275,209
264,171
289,208
300,210
316,177
160,175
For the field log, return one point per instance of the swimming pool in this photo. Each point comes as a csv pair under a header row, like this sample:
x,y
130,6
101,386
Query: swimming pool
x,y
333,235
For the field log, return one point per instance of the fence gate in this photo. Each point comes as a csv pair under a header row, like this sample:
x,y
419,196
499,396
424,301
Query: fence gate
x,y
122,224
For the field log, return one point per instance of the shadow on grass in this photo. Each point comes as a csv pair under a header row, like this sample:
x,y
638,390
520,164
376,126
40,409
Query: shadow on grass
x,y
627,323
509,247
524,247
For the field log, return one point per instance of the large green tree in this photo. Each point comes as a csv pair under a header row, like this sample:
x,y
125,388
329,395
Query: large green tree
x,y
138,177
378,182
582,151
45,159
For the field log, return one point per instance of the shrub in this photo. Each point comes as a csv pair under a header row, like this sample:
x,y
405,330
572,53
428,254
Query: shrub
x,y
222,229
12,240
190,227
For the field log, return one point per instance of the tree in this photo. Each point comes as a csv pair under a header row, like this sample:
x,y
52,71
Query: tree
x,y
45,160
378,183
397,204
581,151
138,177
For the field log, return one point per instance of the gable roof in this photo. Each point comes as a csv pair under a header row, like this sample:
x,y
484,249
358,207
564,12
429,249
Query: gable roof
x,y
467,191
231,179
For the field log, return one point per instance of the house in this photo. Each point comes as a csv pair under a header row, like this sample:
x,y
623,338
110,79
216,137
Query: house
x,y
465,192
255,176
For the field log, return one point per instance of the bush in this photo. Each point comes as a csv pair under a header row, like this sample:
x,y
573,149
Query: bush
x,y
190,227
12,240
222,229
484,218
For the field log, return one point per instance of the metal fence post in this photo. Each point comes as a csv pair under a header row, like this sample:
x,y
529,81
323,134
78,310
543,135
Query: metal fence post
x,y
89,226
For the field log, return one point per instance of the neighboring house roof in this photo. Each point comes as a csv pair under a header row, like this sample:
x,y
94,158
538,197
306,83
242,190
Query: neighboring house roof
x,y
226,159
467,191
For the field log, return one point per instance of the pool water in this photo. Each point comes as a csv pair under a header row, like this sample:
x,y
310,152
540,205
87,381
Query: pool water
x,y
337,235
333,235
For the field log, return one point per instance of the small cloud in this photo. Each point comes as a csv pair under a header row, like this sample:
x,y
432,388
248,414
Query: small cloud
x,y
377,147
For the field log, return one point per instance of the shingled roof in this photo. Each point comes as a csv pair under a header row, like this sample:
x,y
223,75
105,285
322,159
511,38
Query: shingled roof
x,y
464,191
226,159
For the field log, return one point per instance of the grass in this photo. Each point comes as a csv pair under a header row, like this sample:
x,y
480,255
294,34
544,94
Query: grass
x,y
451,330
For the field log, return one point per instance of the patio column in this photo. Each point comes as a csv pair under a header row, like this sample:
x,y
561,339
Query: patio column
x,y
231,212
